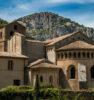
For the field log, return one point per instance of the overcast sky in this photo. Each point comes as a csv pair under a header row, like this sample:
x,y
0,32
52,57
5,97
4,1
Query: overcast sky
x,y
81,11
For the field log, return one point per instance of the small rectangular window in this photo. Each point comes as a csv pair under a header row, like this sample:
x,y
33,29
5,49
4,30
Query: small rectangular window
x,y
17,82
0,35
15,27
10,65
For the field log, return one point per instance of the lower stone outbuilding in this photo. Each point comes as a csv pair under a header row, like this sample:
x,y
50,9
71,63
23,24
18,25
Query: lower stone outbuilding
x,y
46,71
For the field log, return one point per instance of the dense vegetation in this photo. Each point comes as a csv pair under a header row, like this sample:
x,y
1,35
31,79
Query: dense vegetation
x,y
42,91
47,25
3,22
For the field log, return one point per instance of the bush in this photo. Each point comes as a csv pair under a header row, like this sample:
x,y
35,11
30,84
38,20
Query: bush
x,y
44,85
17,88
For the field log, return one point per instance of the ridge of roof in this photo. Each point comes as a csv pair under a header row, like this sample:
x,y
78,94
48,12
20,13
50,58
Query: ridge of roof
x,y
38,61
34,41
43,63
55,40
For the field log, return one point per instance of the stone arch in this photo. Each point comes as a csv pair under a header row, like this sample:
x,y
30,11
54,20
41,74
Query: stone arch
x,y
71,72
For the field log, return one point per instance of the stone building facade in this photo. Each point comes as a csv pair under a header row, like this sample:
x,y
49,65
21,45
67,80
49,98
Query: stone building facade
x,y
66,61
73,54
16,52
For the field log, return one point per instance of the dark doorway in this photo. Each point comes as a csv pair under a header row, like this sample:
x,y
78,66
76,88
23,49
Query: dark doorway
x,y
72,73
17,82
92,72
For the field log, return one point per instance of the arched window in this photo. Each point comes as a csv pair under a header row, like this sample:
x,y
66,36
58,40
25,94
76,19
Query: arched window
x,y
61,55
65,55
74,54
0,35
92,72
79,54
51,79
70,55
71,72
92,55
58,56
84,55
88,55
41,79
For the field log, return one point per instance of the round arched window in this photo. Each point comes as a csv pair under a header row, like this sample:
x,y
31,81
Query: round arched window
x,y
71,72
79,54
88,55
74,54
84,55
41,79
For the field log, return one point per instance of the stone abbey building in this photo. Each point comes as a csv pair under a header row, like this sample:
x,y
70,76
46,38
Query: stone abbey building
x,y
66,61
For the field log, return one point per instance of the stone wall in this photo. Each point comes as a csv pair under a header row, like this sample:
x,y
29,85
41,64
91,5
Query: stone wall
x,y
7,77
50,54
45,73
15,44
34,50
2,39
10,28
74,83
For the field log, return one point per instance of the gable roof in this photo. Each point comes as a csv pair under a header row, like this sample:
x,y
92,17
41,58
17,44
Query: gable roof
x,y
42,63
77,45
35,41
55,40
19,22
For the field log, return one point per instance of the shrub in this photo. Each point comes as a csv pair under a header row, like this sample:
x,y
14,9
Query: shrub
x,y
44,85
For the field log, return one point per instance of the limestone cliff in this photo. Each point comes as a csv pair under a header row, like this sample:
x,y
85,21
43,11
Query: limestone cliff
x,y
47,25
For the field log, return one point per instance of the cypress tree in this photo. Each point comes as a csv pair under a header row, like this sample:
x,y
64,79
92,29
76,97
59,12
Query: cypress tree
x,y
37,87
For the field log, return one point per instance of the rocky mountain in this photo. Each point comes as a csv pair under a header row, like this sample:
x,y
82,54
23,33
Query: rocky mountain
x,y
47,25
3,22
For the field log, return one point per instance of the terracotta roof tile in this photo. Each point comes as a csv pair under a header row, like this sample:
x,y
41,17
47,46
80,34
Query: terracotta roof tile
x,y
77,45
42,63
55,40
